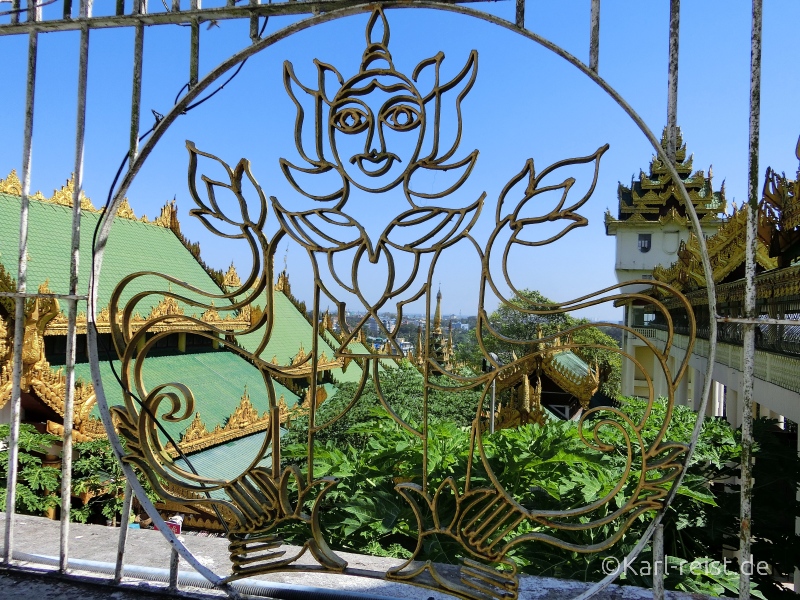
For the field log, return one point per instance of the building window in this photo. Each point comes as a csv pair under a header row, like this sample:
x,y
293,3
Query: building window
x,y
644,242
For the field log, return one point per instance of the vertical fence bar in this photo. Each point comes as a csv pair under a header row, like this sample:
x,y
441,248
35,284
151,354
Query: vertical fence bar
x,y
658,563
254,22
174,561
72,313
672,94
749,341
136,94
520,14
123,533
194,50
22,279
15,13
594,40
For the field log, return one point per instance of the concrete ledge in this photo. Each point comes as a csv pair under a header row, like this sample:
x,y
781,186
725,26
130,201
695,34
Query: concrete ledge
x,y
146,548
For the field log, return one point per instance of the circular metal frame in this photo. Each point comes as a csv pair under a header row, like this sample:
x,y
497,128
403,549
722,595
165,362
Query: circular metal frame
x,y
178,109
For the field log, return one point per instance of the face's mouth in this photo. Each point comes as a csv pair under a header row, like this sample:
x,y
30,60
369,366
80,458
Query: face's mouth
x,y
382,160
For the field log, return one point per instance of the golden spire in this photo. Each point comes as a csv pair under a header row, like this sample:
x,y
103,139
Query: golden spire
x,y
327,322
437,316
419,344
283,283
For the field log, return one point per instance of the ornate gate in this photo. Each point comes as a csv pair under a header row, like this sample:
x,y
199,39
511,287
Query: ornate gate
x,y
373,131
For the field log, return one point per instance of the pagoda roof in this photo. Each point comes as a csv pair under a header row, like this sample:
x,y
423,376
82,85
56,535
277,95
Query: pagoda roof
x,y
134,245
291,339
654,195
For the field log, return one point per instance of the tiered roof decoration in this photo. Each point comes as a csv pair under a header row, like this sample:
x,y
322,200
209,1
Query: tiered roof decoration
x,y
159,247
777,244
726,251
781,206
654,197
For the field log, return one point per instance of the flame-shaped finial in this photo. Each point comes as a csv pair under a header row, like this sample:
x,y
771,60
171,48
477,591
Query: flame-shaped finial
x,y
377,50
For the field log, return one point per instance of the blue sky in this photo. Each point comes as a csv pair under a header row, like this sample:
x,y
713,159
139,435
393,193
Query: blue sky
x,y
526,103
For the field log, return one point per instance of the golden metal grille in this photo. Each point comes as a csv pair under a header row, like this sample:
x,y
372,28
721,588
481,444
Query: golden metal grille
x,y
373,109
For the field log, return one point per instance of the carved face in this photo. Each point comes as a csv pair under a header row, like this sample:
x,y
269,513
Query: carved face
x,y
376,127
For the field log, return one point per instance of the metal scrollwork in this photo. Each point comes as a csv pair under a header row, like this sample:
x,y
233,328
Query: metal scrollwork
x,y
368,133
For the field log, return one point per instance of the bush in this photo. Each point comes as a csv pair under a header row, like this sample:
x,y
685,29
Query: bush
x,y
547,467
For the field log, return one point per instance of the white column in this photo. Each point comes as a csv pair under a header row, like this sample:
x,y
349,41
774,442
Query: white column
x,y
714,407
698,389
682,391
628,368
732,408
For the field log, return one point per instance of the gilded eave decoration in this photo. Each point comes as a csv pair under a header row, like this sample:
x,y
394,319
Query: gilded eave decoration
x,y
778,284
726,251
63,197
372,131
781,205
38,377
243,421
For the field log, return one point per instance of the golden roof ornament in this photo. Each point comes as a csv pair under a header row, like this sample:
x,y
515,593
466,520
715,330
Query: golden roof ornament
x,y
231,279
780,205
195,430
64,196
283,283
300,356
125,211
211,315
327,322
11,185
244,415
168,217
168,306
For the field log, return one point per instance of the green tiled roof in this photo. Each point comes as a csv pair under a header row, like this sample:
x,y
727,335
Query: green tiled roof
x,y
569,362
217,380
132,246
290,330
227,461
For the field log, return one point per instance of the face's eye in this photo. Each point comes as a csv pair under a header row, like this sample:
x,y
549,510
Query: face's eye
x,y
350,120
401,117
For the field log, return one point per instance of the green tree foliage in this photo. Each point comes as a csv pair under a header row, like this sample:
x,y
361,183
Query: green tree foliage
x,y
37,484
544,467
511,322
401,388
96,474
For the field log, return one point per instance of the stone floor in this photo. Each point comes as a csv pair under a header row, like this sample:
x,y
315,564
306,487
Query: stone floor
x,y
146,548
